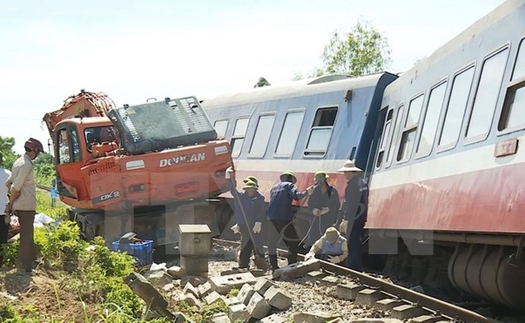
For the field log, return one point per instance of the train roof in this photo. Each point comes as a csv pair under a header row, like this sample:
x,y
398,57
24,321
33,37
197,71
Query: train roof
x,y
468,35
298,88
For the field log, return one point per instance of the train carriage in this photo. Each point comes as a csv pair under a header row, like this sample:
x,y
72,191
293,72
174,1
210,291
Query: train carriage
x,y
450,167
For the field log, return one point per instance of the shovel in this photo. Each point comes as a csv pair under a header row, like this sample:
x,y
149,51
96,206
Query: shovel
x,y
260,263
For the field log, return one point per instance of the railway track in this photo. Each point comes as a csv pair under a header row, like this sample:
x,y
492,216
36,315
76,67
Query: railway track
x,y
364,289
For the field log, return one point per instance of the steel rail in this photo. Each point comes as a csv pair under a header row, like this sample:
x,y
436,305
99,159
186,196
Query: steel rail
x,y
435,305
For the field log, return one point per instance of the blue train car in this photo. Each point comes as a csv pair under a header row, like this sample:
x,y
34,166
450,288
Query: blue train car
x,y
307,126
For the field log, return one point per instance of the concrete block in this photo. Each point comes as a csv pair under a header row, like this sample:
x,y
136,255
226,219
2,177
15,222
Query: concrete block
x,y
158,277
278,299
262,285
387,304
425,319
316,275
231,301
143,288
369,297
176,272
330,281
191,300
194,266
407,311
258,307
274,318
168,287
223,284
220,318
205,289
298,269
233,272
257,272
348,291
213,297
239,312
189,289
314,317
245,294
194,280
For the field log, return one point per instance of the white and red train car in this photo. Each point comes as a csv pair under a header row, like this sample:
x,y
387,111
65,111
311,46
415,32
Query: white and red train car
x,y
440,146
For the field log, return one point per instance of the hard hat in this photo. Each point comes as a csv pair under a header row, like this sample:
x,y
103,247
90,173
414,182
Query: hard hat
x,y
34,144
321,173
331,235
251,178
250,184
288,173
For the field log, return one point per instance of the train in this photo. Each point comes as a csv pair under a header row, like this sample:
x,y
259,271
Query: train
x,y
439,145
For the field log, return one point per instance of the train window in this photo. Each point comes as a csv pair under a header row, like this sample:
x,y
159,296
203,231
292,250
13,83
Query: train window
x,y
410,129
487,95
241,125
513,114
430,122
262,135
321,131
384,137
220,127
457,103
397,129
289,133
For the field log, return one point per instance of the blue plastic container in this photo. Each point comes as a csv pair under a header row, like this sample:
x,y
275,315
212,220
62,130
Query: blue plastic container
x,y
141,251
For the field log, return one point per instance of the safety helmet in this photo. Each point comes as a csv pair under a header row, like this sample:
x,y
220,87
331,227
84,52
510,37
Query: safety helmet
x,y
288,175
321,173
34,144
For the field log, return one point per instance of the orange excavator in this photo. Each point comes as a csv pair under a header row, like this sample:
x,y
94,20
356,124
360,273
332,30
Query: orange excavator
x,y
141,168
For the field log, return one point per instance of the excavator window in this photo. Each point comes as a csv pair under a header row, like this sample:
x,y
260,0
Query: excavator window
x,y
98,135
68,146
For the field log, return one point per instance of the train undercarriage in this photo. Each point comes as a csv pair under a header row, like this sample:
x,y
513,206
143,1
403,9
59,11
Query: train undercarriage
x,y
489,267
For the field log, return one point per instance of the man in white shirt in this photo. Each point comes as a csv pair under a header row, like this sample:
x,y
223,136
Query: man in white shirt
x,y
4,218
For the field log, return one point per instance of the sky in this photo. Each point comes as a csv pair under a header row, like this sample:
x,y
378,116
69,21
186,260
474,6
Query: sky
x,y
133,50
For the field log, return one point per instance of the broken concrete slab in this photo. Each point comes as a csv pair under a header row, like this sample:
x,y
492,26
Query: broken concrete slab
x,y
145,290
223,284
277,298
314,317
194,280
205,289
189,289
298,269
245,294
258,307
158,277
191,300
213,297
262,285
238,312
220,318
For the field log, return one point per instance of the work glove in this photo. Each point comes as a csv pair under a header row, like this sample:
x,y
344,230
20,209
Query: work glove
x,y
257,227
236,229
310,190
325,210
343,226
334,259
309,256
316,212
228,172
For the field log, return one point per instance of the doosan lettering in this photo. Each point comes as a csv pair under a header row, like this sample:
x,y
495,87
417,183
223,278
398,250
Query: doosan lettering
x,y
182,159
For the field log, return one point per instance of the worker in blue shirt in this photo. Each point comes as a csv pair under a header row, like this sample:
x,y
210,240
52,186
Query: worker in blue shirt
x,y
252,219
354,211
281,217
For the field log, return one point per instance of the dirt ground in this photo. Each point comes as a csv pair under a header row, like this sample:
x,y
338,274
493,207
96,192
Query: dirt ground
x,y
45,292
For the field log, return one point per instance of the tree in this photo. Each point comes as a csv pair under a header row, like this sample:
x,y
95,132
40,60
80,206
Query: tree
x,y
9,155
262,82
361,51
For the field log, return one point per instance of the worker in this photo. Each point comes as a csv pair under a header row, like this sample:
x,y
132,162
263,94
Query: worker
x,y
5,218
331,246
250,217
354,213
22,202
324,205
281,217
